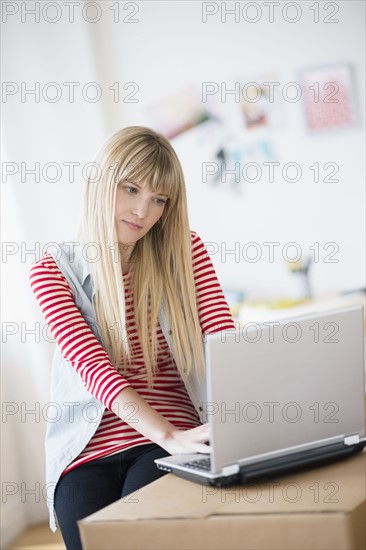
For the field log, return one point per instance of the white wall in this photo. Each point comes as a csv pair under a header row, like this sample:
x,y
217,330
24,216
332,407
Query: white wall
x,y
168,48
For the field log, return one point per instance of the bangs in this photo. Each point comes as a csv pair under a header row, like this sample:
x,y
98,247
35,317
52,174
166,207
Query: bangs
x,y
155,167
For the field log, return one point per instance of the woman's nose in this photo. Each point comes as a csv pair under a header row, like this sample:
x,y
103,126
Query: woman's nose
x,y
140,209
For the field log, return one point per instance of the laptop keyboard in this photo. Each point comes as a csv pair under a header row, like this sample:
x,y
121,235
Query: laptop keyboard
x,y
201,464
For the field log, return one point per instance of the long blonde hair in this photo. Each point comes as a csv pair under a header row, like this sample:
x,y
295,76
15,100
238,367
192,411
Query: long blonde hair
x,y
162,259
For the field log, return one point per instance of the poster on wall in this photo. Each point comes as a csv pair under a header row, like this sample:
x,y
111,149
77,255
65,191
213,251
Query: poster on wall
x,y
179,112
328,94
261,104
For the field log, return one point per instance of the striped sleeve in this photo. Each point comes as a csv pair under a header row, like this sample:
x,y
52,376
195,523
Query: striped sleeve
x,y
78,344
214,312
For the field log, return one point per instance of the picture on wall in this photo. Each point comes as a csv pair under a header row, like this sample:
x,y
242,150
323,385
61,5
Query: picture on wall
x,y
328,95
254,107
178,112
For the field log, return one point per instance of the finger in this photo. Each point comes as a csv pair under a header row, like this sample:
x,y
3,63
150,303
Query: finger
x,y
202,437
204,427
207,449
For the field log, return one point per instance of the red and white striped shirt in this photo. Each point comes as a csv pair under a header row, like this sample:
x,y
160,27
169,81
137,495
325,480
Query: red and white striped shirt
x,y
80,347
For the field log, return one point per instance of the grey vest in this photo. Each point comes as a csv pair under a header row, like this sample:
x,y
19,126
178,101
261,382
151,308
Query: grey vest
x,y
78,413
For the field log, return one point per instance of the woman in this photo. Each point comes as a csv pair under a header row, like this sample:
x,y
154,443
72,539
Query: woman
x,y
128,305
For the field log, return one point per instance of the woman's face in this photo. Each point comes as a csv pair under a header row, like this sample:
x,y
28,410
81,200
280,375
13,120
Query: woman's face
x,y
137,210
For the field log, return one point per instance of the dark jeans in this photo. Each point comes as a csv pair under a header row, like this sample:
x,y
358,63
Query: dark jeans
x,y
98,483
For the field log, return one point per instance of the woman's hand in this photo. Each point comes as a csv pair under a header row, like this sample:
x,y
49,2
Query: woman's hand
x,y
152,425
187,441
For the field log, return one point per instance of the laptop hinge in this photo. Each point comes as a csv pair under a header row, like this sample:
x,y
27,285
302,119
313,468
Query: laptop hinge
x,y
352,440
229,470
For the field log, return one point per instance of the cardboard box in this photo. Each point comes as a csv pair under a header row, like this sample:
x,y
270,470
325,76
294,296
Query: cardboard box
x,y
322,508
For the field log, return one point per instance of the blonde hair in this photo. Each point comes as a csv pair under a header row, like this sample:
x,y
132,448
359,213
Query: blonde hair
x,y
162,259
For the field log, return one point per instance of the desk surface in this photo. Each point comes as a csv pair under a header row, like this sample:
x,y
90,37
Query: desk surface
x,y
251,313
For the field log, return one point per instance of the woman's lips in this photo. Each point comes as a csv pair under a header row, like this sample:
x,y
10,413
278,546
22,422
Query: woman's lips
x,y
132,226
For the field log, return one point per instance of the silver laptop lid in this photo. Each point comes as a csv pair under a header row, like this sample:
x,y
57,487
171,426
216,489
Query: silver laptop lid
x,y
284,386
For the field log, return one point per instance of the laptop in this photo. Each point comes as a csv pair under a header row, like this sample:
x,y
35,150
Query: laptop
x,y
281,396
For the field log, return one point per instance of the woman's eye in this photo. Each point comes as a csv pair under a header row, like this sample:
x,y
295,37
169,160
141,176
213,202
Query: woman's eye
x,y
131,190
